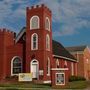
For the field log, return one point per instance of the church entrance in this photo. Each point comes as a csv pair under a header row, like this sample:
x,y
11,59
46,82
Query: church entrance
x,y
34,68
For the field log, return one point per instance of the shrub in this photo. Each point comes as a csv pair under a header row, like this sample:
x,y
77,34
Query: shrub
x,y
76,78
11,77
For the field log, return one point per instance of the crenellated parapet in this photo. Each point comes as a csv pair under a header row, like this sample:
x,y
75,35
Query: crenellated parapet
x,y
6,31
38,7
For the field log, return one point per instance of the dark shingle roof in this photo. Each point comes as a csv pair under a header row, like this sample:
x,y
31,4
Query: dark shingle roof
x,y
59,50
76,48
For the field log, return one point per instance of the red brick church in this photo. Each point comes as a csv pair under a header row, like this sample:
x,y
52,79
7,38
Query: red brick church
x,y
34,51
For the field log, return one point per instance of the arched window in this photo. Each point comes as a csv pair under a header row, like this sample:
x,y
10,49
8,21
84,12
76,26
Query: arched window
x,y
47,24
16,65
57,63
34,41
47,42
48,66
65,64
34,22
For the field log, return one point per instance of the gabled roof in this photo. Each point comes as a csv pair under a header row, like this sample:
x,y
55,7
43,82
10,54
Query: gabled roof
x,y
76,48
20,34
59,50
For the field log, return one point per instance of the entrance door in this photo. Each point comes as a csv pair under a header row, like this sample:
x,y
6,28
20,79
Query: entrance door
x,y
34,68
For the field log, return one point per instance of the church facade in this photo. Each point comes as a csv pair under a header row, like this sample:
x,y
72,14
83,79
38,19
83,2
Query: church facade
x,y
34,51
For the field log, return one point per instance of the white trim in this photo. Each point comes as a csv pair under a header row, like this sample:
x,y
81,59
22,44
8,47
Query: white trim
x,y
56,78
65,63
20,35
48,42
37,66
59,69
36,41
38,22
49,81
57,63
48,23
48,61
72,68
64,58
12,64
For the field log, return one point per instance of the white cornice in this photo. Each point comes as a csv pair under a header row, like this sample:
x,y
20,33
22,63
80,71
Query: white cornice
x,y
64,58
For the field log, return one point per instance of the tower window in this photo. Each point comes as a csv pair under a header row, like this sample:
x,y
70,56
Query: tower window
x,y
16,66
47,42
34,41
47,24
34,22
48,66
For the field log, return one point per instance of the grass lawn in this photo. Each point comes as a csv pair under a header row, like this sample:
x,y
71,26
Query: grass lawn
x,y
31,86
19,86
77,85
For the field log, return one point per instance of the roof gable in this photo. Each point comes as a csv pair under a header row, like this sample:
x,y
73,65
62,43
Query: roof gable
x,y
20,34
59,50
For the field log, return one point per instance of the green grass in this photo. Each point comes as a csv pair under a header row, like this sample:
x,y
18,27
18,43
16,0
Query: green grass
x,y
77,85
16,86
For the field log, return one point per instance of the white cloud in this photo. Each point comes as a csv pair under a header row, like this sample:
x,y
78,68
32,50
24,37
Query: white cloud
x,y
74,14
11,12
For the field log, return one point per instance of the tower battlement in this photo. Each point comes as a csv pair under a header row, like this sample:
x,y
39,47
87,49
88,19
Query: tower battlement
x,y
6,31
38,7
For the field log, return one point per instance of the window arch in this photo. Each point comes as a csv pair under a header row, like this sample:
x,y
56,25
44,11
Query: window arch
x,y
48,66
16,65
34,41
34,22
57,63
65,64
47,42
47,24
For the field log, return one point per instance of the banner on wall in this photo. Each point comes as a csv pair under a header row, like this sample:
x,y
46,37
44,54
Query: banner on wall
x,y
25,77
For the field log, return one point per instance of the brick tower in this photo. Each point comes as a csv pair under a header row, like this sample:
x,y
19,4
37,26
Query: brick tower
x,y
39,42
6,40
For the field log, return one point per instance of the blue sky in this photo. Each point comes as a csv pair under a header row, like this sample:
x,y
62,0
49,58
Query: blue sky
x,y
71,18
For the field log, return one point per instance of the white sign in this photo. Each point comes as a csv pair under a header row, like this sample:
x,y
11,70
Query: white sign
x,y
25,77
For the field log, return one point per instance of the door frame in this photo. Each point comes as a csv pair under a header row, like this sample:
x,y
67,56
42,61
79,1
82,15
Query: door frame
x,y
34,61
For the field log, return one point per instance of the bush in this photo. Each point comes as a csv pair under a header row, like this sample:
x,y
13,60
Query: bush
x,y
76,78
11,77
